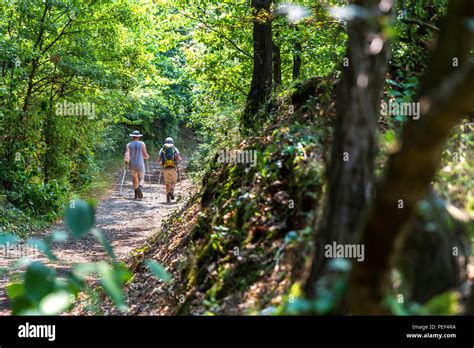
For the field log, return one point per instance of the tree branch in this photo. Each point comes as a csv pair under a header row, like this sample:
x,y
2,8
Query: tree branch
x,y
420,23
200,20
58,37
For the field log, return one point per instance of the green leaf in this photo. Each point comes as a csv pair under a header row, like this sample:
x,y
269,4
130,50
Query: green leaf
x,y
8,239
29,312
111,284
298,306
324,303
43,246
105,243
444,304
71,283
394,83
15,290
339,265
57,236
389,137
79,217
158,270
56,302
82,270
123,273
21,262
23,306
394,93
39,281
395,306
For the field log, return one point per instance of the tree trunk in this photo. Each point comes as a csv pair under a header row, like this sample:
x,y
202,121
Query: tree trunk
x,y
435,254
446,94
35,61
29,90
276,64
350,174
470,302
260,87
297,61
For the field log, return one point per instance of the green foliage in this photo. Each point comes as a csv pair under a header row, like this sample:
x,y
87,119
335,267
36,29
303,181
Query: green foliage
x,y
397,307
457,167
444,304
111,279
245,209
103,54
410,55
79,218
40,291
158,270
330,291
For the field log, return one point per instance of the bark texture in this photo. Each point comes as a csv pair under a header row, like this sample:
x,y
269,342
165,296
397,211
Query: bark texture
x,y
260,87
447,93
350,173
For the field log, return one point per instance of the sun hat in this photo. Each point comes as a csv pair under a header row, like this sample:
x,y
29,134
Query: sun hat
x,y
136,134
169,140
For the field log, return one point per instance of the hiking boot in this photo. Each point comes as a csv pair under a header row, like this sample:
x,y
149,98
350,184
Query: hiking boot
x,y
136,194
139,192
168,198
172,195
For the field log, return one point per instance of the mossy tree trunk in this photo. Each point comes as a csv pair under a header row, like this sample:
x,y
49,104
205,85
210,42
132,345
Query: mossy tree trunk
x,y
350,174
447,93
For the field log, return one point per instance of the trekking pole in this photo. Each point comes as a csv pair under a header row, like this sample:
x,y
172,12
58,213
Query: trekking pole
x,y
159,177
123,179
149,173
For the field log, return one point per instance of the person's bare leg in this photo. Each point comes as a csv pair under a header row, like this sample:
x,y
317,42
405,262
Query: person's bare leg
x,y
140,180
135,181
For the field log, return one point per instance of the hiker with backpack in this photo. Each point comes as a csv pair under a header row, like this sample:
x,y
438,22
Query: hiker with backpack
x,y
169,157
134,157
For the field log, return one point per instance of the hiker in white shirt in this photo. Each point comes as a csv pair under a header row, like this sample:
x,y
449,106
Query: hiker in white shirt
x,y
134,157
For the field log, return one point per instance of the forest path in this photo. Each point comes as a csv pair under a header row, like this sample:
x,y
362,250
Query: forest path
x,y
124,221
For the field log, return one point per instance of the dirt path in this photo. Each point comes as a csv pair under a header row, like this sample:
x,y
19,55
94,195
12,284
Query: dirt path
x,y
126,223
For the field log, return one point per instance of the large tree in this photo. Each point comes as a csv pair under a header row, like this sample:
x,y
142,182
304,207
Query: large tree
x,y
447,93
261,85
350,173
